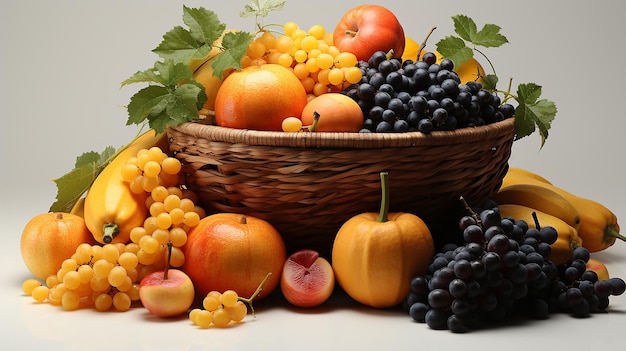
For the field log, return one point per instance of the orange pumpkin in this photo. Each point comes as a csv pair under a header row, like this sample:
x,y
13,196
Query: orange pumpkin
x,y
234,251
337,113
375,255
50,238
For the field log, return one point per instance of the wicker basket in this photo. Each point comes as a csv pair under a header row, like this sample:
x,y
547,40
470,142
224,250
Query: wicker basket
x,y
308,184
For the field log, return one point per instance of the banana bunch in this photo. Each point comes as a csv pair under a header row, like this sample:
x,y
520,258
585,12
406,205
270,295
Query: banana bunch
x,y
582,222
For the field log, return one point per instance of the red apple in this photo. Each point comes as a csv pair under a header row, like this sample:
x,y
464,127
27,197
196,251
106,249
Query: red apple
x,y
166,295
366,29
307,279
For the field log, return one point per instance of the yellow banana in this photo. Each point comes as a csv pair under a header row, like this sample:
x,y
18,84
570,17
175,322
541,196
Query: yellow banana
x,y
598,227
541,198
522,171
79,207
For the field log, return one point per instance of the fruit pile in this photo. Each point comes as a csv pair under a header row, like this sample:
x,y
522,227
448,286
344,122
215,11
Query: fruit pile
x,y
140,237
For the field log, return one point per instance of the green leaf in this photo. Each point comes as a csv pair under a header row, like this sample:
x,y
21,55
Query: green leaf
x,y
488,36
454,48
235,45
533,112
465,27
490,81
261,8
181,45
72,185
146,102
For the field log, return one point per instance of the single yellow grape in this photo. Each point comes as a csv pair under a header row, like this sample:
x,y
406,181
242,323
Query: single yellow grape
x,y
85,272
40,293
308,43
178,236
137,233
285,60
193,314
103,302
151,169
211,302
311,65
229,298
320,89
171,165
128,260
220,318
83,290
335,76
133,273
52,281
149,244
164,220
169,180
121,301
110,253
71,280
133,292
203,318
142,158
130,171
29,284
325,61
298,33
177,215
308,83
290,27
268,40
200,211
126,285
116,276
191,219
156,154
69,265
292,124
171,202
100,283
317,31
150,225
352,75
70,300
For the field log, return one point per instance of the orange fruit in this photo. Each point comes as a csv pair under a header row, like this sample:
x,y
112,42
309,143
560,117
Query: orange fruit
x,y
50,238
598,267
229,251
468,71
338,113
259,97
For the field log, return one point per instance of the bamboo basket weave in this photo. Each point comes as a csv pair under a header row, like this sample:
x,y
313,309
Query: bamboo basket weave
x,y
308,184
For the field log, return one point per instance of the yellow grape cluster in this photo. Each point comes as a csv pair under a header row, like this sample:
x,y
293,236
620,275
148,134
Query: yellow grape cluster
x,y
172,209
320,66
103,277
219,309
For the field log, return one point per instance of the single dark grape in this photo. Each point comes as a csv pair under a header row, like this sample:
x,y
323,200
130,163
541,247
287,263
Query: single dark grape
x,y
618,286
436,319
366,91
548,234
456,324
418,311
581,253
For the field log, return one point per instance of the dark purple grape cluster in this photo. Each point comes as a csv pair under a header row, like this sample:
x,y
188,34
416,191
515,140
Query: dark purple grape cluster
x,y
401,96
501,270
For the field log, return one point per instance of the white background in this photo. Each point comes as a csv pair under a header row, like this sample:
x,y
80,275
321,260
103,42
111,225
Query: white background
x,y
61,65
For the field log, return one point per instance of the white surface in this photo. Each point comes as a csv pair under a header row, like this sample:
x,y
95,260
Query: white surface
x,y
60,71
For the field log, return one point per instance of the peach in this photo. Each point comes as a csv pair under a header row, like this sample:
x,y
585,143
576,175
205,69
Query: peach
x,y
167,295
599,268
307,279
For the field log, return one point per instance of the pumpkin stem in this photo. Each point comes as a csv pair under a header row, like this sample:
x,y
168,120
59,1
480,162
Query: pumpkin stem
x,y
384,203
611,232
167,262
243,219
110,231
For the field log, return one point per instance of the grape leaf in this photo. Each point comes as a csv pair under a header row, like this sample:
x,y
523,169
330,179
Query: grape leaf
x,y
455,49
532,112
488,36
182,45
235,45
72,185
261,8
165,102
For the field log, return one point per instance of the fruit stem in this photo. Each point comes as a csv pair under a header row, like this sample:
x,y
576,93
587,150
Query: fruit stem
x,y
248,301
243,219
316,119
611,232
167,262
384,203
110,231
536,219
469,209
351,33
423,45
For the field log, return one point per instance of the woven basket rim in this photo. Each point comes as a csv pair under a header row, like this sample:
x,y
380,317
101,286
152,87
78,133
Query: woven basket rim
x,y
343,139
